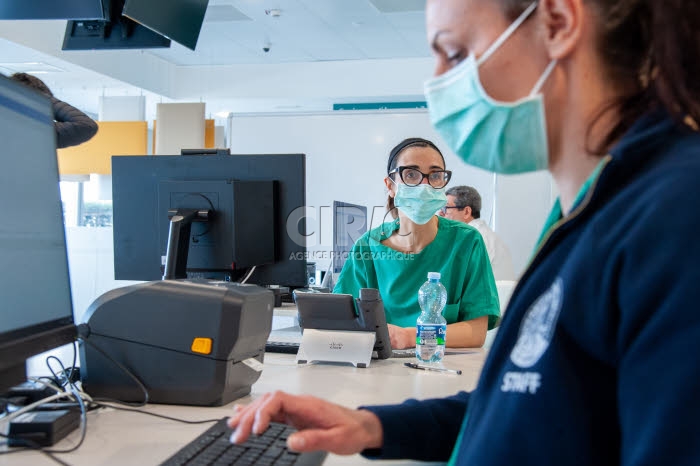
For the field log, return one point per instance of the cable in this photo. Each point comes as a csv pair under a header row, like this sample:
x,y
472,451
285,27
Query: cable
x,y
83,422
247,275
74,392
126,371
43,382
78,395
68,377
31,445
120,408
30,407
105,402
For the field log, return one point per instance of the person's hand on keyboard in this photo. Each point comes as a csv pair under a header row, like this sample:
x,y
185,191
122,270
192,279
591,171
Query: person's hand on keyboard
x,y
321,425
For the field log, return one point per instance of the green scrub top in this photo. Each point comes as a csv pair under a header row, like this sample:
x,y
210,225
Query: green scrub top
x,y
457,252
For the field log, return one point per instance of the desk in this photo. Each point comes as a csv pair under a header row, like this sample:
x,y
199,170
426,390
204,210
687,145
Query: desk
x,y
118,438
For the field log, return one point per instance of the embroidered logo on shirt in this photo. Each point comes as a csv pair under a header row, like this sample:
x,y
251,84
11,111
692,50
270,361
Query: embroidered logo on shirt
x,y
521,382
537,327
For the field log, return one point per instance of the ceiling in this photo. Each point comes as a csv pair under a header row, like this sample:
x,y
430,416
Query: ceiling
x,y
349,46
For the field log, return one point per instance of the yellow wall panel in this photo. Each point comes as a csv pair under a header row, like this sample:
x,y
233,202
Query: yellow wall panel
x,y
209,134
112,138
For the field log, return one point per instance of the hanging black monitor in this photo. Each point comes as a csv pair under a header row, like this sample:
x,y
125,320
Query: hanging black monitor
x,y
51,9
114,32
104,35
178,20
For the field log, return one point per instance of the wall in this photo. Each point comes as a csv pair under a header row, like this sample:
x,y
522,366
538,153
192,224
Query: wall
x,y
346,161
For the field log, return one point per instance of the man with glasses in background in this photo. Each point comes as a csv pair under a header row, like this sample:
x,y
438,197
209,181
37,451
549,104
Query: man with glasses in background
x,y
464,205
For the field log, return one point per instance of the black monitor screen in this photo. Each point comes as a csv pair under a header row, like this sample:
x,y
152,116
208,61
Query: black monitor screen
x,y
349,223
246,210
114,32
35,287
107,35
51,9
179,20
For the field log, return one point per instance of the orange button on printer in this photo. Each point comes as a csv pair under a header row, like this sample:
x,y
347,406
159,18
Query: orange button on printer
x,y
201,345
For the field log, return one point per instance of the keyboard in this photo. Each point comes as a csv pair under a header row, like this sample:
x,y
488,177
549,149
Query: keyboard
x,y
214,448
409,353
288,347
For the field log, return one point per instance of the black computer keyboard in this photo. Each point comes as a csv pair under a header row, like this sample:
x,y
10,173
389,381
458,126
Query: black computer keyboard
x,y
293,348
214,448
282,347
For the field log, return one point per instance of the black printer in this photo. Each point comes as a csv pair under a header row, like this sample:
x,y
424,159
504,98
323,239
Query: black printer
x,y
188,342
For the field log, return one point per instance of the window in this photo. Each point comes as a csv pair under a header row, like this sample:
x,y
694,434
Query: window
x,y
87,202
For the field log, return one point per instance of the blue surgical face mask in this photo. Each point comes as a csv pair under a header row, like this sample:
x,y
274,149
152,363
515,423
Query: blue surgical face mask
x,y
500,137
419,203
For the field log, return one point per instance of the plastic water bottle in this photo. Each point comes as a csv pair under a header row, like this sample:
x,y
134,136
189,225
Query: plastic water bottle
x,y
431,327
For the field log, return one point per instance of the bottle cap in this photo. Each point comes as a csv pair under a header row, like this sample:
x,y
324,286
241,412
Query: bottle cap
x,y
433,275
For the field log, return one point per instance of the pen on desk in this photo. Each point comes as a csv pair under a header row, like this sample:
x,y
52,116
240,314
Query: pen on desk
x,y
433,369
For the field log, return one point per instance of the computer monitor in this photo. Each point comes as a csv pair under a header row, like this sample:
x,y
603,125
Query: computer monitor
x,y
349,223
37,313
239,230
51,9
179,20
115,31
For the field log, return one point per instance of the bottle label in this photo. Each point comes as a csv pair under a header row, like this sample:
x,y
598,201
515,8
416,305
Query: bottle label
x,y
429,338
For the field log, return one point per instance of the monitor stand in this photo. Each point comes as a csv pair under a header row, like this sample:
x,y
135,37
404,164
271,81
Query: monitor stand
x,y
179,240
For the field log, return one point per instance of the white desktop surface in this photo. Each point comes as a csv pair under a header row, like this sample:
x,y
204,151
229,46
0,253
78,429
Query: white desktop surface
x,y
118,438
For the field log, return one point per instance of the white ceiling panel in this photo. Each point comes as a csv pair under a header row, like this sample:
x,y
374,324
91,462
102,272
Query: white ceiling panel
x,y
325,33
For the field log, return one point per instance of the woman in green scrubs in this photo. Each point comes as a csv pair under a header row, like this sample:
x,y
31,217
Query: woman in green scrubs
x,y
396,257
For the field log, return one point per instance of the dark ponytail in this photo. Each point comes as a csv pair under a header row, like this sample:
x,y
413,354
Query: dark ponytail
x,y
651,50
676,58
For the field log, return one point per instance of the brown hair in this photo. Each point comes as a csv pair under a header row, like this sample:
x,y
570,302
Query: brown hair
x,y
394,160
33,82
651,51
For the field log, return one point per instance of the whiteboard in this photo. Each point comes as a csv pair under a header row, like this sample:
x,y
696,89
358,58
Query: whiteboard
x,y
346,157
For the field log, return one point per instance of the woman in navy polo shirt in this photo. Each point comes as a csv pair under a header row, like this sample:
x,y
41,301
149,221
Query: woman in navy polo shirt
x,y
596,360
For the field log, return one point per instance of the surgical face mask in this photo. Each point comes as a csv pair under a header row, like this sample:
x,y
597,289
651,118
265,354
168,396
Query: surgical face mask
x,y
419,203
507,138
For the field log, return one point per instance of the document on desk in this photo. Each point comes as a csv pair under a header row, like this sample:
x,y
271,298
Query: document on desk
x,y
286,335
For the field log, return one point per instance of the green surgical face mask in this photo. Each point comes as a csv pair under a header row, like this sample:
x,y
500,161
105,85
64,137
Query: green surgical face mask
x,y
419,203
500,137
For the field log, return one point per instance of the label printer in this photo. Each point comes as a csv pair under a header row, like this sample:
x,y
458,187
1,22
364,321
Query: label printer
x,y
187,342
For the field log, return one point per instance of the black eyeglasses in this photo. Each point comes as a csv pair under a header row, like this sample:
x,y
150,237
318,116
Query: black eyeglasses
x,y
413,177
443,211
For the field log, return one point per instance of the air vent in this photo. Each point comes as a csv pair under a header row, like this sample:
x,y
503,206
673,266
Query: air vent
x,y
398,6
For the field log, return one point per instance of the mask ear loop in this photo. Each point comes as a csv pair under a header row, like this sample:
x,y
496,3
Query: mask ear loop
x,y
540,82
506,34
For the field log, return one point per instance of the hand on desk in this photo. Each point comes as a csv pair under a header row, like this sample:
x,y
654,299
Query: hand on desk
x,y
402,337
322,425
